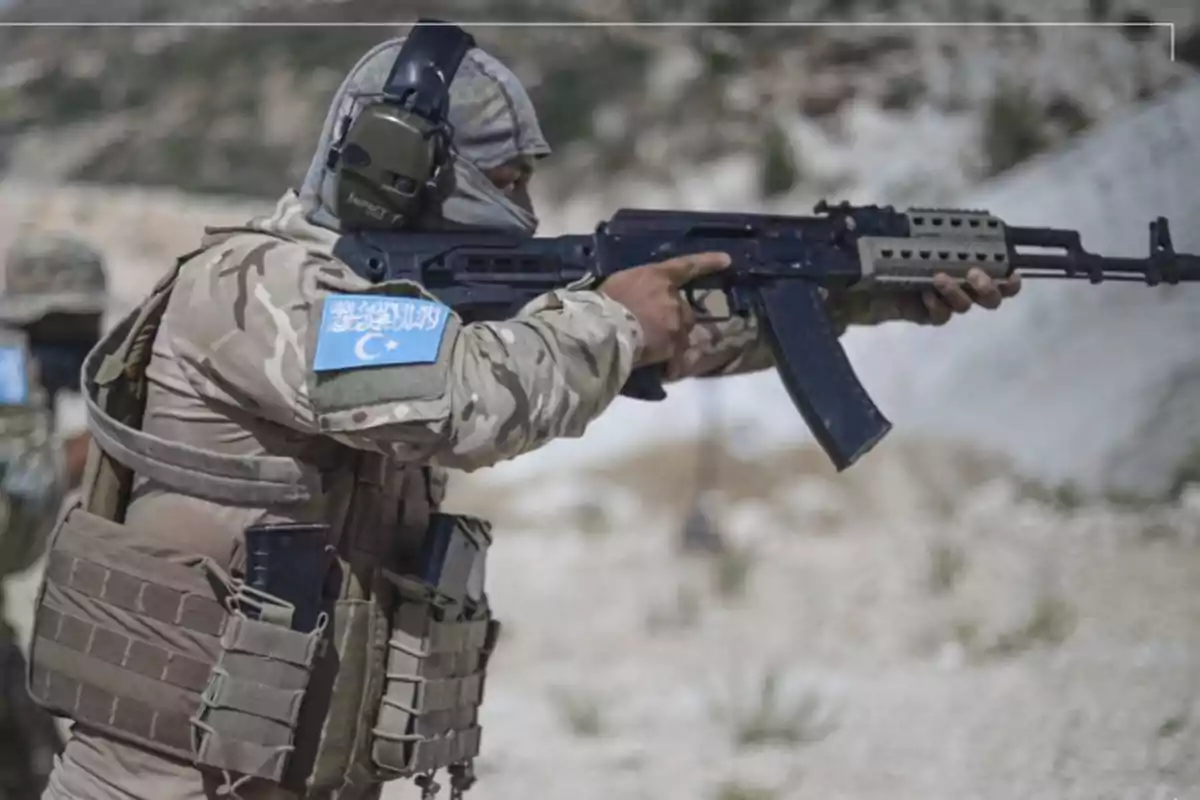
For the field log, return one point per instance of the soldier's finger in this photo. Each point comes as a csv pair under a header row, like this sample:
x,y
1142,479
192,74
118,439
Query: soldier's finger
x,y
680,345
687,316
688,268
952,294
1010,285
939,312
987,293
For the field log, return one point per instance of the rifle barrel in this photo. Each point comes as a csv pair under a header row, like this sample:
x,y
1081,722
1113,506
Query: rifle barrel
x,y
1172,269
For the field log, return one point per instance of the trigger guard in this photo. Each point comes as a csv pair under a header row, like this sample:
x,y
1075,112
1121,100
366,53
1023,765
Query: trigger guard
x,y
701,313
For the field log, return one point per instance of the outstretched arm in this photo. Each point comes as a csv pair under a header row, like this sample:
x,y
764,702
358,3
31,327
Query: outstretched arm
x,y
300,340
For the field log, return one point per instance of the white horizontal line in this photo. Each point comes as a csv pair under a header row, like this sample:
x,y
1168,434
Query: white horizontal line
x,y
590,24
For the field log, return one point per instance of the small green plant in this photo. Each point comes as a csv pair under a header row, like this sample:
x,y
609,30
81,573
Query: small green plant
x,y
736,790
681,614
1173,725
1052,620
774,717
581,713
592,519
1050,623
1068,496
965,633
947,562
1013,129
1068,114
901,94
1186,473
731,572
1064,496
779,169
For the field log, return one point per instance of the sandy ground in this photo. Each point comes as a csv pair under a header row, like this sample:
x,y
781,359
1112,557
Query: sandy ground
x,y
934,634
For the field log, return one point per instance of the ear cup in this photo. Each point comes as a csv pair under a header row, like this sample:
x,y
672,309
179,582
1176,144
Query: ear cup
x,y
393,162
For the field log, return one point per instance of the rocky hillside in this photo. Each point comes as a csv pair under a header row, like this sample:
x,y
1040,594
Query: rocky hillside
x,y
232,109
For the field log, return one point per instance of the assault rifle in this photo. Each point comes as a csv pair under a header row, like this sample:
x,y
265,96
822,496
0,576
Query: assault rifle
x,y
780,264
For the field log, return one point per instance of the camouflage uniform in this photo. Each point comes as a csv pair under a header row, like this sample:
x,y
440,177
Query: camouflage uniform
x,y
232,376
43,275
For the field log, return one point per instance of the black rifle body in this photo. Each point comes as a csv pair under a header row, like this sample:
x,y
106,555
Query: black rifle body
x,y
781,267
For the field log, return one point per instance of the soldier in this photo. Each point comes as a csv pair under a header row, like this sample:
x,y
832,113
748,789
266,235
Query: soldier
x,y
50,313
252,414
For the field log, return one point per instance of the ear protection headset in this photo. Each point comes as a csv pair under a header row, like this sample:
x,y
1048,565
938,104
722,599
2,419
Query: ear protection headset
x,y
393,161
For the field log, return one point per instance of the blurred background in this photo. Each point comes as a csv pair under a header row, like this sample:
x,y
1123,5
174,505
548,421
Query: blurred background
x,y
1001,601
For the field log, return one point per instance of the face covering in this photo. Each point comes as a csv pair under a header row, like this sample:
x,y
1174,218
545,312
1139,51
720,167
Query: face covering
x,y
493,120
477,203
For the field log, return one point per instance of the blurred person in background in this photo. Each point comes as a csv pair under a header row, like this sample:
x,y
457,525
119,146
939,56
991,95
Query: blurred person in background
x,y
229,422
51,309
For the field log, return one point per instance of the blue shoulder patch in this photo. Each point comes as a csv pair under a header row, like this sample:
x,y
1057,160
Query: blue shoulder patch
x,y
14,377
368,330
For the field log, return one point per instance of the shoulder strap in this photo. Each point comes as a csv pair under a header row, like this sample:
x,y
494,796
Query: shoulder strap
x,y
114,377
115,391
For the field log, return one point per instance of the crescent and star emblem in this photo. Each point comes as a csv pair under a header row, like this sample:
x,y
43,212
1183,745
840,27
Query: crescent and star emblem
x,y
360,347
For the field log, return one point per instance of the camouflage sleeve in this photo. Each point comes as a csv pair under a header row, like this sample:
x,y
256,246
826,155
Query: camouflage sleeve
x,y
297,338
870,308
731,346
736,345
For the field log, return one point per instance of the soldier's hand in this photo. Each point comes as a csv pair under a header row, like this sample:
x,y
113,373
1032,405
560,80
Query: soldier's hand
x,y
947,298
651,293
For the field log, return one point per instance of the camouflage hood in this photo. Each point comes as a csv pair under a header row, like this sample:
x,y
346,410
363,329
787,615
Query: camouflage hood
x,y
493,119
51,273
287,220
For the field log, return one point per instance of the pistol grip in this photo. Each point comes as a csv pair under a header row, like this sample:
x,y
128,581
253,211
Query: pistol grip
x,y
646,383
816,372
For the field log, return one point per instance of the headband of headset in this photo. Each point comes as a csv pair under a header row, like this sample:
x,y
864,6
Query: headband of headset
x,y
426,64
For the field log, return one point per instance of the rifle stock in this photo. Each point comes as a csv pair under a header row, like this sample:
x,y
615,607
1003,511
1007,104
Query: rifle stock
x,y
780,266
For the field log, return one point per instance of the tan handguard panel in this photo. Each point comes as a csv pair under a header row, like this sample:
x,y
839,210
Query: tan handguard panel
x,y
941,241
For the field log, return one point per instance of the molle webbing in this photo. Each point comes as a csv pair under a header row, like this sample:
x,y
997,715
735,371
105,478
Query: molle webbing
x,y
433,689
251,706
123,641
145,650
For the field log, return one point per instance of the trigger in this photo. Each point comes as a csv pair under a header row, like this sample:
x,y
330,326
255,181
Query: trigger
x,y
702,312
741,302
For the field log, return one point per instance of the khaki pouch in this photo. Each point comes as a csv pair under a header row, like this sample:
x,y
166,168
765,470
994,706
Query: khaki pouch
x,y
438,644
250,709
